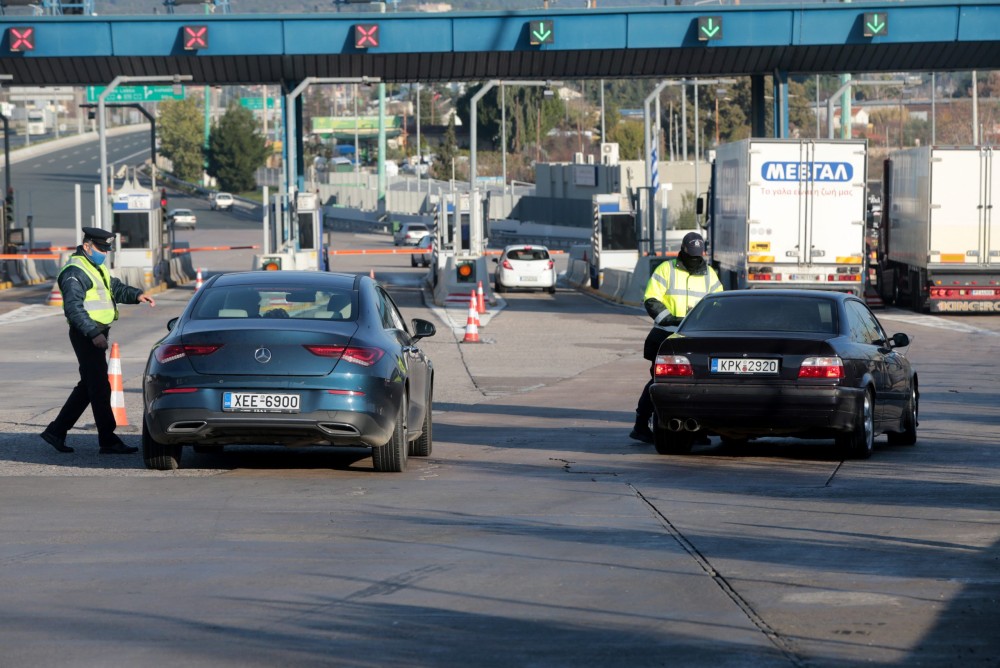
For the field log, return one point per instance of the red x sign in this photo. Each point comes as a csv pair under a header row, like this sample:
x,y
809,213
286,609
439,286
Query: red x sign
x,y
195,37
365,35
21,38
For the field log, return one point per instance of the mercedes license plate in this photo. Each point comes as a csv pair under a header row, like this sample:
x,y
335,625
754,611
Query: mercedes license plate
x,y
750,366
252,402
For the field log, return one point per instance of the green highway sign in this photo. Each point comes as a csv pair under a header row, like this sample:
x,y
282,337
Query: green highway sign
x,y
137,93
257,103
709,28
876,24
542,32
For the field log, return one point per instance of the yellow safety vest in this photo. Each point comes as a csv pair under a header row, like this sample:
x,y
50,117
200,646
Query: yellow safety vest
x,y
678,289
97,302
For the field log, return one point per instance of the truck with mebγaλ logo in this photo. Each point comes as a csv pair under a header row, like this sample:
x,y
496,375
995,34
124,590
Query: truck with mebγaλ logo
x,y
789,213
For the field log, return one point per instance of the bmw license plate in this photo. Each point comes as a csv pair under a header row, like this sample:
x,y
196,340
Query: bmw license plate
x,y
749,366
247,402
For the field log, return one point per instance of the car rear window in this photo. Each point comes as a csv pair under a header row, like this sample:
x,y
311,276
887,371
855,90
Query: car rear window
x,y
270,302
528,254
417,228
761,313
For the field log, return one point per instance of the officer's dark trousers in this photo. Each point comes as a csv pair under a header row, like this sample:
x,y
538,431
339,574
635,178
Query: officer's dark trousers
x,y
93,389
644,409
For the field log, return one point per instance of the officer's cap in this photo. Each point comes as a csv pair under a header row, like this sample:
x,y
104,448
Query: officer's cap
x,y
100,238
693,244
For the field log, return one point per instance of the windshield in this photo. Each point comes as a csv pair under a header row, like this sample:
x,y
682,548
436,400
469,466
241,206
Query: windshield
x,y
762,313
270,302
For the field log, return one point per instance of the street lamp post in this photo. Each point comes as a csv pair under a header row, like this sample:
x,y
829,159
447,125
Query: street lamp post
x,y
105,216
833,96
475,224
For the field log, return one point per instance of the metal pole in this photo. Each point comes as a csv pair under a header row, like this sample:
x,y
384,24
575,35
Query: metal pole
x,y
503,133
975,109
604,136
419,158
357,154
933,108
697,145
474,222
684,122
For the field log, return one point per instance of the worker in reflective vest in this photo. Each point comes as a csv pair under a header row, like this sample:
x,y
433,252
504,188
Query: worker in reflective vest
x,y
673,290
90,299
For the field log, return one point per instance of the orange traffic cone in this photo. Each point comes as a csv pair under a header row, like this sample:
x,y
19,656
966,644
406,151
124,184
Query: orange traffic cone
x,y
55,296
480,299
117,389
197,282
472,323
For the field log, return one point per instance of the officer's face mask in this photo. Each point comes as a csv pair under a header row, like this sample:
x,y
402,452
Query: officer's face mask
x,y
692,263
96,256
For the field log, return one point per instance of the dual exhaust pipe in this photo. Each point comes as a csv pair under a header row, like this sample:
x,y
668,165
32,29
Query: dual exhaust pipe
x,y
676,424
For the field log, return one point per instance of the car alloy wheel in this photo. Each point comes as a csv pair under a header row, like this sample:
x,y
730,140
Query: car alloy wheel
x,y
391,457
860,442
159,456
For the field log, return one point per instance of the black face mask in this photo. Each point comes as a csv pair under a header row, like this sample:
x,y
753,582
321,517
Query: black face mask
x,y
692,263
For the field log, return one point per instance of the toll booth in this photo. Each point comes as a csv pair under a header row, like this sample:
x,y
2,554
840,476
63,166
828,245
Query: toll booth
x,y
614,241
142,240
293,234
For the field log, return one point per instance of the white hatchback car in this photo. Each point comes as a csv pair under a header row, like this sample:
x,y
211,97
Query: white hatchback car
x,y
222,202
182,218
410,234
525,266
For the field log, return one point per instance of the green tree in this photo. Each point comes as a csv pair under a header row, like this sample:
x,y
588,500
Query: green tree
x,y
180,127
447,151
630,136
236,148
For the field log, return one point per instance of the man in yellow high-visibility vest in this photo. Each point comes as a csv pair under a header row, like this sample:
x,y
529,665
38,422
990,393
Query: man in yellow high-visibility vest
x,y
90,299
673,290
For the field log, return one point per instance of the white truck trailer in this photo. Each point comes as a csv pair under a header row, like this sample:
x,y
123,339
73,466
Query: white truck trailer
x,y
789,213
939,244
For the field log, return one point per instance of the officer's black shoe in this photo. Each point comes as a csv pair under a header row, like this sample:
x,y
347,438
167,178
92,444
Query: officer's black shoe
x,y
641,433
58,443
117,448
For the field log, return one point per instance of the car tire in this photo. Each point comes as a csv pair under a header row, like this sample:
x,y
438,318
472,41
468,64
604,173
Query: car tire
x,y
498,288
910,413
669,442
860,441
551,290
159,456
423,446
391,457
413,262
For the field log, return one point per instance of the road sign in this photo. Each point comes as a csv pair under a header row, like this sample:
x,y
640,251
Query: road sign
x,y
24,93
366,35
195,37
257,103
875,24
709,28
137,93
21,38
542,32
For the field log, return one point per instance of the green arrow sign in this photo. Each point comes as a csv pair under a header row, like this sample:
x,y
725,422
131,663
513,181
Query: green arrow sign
x,y
709,28
257,103
542,32
137,93
876,24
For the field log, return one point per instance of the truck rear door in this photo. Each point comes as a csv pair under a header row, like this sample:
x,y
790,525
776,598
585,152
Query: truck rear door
x,y
835,229
958,194
807,202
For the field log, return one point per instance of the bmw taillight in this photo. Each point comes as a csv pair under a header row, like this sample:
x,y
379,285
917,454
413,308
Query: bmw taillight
x,y
174,352
822,367
352,354
672,366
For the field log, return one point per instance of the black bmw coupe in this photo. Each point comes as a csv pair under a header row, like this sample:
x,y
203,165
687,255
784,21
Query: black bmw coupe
x,y
801,363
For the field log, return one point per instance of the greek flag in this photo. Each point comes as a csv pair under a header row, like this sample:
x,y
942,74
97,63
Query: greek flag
x,y
654,171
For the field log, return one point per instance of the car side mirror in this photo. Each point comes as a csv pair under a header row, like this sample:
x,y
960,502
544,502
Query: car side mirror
x,y
899,340
172,323
422,329
496,260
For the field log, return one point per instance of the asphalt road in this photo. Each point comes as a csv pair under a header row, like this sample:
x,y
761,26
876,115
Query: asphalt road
x,y
537,533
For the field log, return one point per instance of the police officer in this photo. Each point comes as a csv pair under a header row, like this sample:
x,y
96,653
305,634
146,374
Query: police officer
x,y
673,290
90,298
